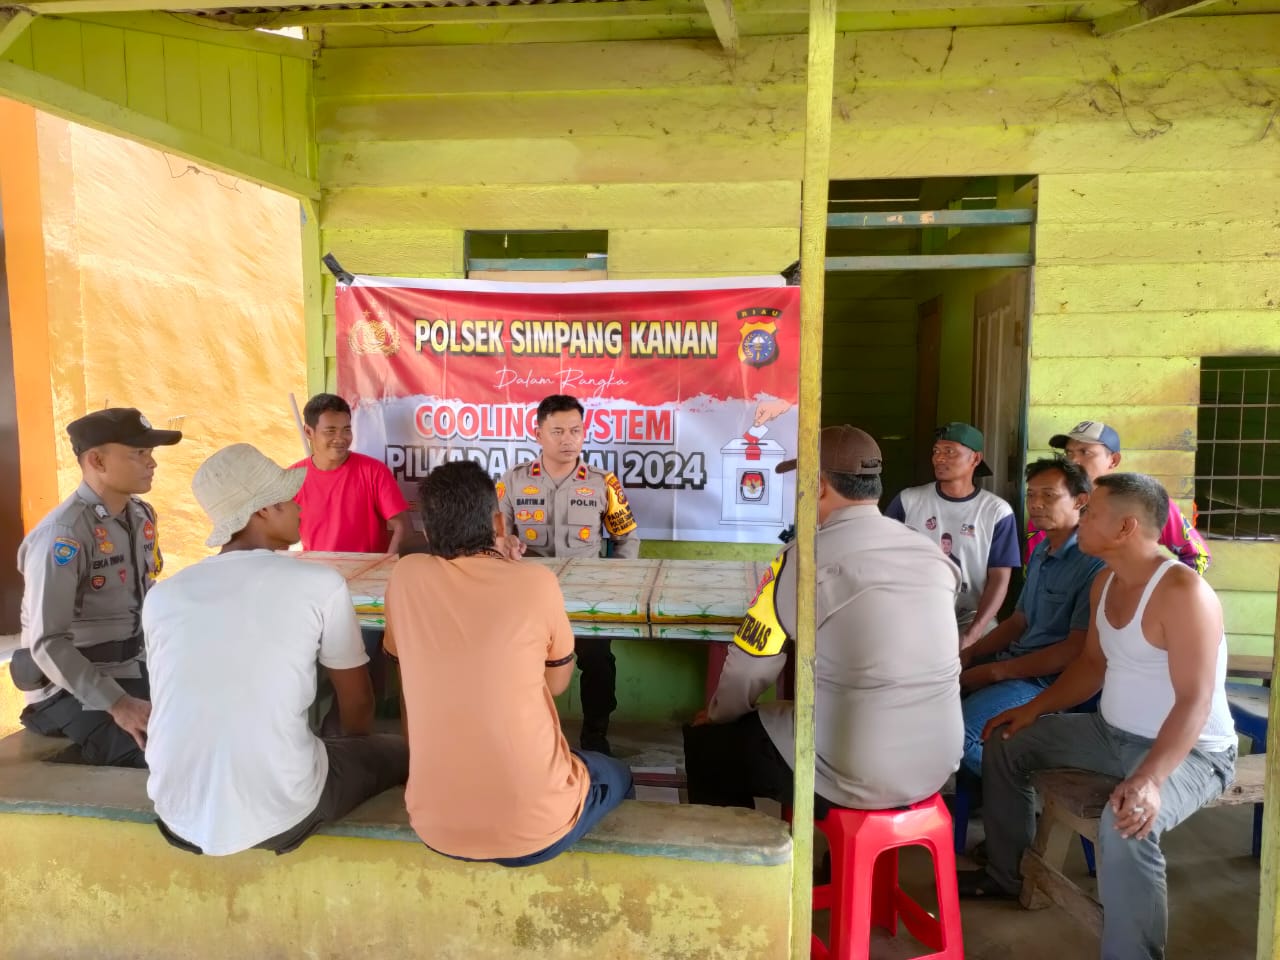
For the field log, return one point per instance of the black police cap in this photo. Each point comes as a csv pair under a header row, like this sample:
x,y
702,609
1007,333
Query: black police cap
x,y
117,425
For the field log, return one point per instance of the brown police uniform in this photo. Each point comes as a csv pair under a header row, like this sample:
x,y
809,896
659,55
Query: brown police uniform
x,y
86,573
564,518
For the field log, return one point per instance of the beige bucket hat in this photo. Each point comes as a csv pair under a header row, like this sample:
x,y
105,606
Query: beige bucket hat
x,y
237,482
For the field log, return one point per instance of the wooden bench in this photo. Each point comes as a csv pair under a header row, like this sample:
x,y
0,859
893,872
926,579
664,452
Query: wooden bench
x,y
1073,804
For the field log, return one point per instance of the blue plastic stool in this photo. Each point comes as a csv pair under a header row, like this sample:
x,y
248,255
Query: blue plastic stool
x,y
1249,703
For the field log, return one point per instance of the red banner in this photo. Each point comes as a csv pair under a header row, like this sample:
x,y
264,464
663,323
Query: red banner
x,y
681,380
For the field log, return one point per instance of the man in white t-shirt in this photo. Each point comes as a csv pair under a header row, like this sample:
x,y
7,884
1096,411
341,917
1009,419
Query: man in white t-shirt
x,y
974,527
232,646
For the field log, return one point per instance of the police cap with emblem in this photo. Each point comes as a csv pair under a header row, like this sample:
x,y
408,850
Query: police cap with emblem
x,y
123,425
845,449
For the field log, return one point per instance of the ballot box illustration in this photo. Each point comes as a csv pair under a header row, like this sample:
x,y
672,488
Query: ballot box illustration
x,y
752,492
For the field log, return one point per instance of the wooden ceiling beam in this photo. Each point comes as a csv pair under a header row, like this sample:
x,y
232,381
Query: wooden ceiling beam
x,y
12,25
725,23
655,10
1145,12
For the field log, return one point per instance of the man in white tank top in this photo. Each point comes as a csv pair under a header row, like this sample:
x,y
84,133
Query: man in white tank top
x,y
1156,648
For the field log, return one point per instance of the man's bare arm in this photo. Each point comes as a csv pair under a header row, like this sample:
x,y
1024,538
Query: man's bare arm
x,y
1080,681
399,526
1046,661
354,692
997,640
991,600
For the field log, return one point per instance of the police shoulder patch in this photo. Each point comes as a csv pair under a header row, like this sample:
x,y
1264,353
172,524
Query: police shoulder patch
x,y
761,634
618,518
64,550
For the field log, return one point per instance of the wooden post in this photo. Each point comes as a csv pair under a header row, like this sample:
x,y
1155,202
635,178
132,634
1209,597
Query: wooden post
x,y
313,300
1269,882
813,249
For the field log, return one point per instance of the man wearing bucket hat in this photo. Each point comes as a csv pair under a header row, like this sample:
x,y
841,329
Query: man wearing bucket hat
x,y
888,724
984,532
87,566
1096,448
232,644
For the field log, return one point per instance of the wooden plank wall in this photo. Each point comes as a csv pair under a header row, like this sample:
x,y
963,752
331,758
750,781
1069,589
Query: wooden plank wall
x,y
236,100
1137,278
1157,152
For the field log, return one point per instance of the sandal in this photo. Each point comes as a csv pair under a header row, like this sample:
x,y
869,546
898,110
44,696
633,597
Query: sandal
x,y
980,885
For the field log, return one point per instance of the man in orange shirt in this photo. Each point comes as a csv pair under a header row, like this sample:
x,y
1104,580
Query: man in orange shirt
x,y
484,645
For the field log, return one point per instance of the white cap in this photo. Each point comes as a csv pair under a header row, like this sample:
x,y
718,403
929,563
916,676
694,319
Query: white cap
x,y
237,482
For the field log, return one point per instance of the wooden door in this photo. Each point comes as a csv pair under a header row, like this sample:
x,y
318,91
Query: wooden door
x,y
1000,315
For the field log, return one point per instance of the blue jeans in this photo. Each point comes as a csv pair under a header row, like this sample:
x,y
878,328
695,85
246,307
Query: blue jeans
x,y
981,705
610,784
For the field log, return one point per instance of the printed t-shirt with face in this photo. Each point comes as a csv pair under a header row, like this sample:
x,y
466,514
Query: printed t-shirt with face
x,y
346,510
980,533
490,774
232,646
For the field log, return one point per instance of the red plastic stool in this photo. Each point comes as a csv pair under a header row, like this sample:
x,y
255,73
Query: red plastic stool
x,y
864,891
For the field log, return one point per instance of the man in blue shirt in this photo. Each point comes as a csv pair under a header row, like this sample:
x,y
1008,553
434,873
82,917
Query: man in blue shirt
x,y
1025,653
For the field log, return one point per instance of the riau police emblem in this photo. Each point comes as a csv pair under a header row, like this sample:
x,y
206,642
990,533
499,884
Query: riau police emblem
x,y
759,345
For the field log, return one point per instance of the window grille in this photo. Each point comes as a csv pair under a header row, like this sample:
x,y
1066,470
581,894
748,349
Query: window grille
x,y
1238,450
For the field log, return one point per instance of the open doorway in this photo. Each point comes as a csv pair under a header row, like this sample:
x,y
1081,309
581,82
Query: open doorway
x,y
926,319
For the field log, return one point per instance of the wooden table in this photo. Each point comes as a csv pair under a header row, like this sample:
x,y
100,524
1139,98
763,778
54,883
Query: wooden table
x,y
676,600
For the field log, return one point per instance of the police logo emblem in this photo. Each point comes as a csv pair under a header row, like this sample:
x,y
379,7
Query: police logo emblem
x,y
98,582
374,335
64,550
584,534
759,345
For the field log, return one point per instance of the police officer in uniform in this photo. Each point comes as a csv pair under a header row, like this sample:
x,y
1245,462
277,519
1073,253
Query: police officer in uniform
x,y
555,506
87,566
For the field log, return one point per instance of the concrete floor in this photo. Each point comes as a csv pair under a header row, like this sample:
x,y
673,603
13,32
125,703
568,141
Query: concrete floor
x,y
1213,883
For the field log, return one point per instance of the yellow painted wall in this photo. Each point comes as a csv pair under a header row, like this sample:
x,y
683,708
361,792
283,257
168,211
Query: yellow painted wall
x,y
1157,153
69,894
1137,278
174,290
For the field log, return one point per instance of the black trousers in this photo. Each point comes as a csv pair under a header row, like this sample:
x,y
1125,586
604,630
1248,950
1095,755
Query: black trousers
x,y
598,682
730,764
359,768
101,741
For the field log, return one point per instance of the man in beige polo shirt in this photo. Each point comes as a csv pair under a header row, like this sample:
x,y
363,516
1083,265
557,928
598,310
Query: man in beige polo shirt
x,y
889,729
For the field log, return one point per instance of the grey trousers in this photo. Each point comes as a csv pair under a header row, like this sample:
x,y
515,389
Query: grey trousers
x,y
1135,910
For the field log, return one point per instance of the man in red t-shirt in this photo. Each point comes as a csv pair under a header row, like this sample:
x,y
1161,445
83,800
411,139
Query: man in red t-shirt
x,y
350,502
